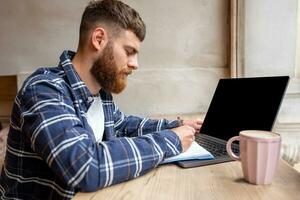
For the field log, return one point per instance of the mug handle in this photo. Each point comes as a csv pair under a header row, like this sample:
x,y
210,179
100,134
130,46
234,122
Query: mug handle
x,y
229,150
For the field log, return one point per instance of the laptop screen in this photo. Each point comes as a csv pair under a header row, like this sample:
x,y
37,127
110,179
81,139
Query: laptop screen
x,y
244,104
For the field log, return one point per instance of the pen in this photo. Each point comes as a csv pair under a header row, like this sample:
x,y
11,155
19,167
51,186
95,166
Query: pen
x,y
180,121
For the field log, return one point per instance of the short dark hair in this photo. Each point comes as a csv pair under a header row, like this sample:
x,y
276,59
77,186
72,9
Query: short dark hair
x,y
113,13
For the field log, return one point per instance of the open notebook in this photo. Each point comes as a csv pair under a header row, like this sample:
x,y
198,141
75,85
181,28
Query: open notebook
x,y
194,152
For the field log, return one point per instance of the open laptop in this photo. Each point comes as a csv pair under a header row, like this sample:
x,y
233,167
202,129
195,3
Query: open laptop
x,y
238,104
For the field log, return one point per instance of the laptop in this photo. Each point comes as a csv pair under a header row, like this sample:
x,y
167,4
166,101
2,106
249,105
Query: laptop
x,y
238,104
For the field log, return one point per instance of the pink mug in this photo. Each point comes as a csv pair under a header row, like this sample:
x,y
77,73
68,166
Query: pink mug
x,y
259,155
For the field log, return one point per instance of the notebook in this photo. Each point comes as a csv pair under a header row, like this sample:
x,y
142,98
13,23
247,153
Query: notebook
x,y
195,151
238,104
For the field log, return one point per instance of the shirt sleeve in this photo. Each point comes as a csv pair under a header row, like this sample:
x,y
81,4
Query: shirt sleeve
x,y
132,126
51,123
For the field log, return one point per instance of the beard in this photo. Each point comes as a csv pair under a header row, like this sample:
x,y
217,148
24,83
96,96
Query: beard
x,y
107,74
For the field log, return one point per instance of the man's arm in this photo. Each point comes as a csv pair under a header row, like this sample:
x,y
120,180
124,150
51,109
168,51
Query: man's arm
x,y
50,122
132,126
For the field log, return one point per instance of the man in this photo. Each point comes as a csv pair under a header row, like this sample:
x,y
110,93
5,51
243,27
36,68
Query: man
x,y
67,135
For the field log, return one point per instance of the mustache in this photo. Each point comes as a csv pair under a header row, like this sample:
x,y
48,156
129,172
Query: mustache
x,y
128,72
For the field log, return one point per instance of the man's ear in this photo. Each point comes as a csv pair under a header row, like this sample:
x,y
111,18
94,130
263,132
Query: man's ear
x,y
99,38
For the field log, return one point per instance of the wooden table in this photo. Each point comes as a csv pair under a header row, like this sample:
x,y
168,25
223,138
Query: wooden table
x,y
221,181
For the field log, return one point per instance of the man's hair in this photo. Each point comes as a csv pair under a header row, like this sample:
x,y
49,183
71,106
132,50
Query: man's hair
x,y
115,14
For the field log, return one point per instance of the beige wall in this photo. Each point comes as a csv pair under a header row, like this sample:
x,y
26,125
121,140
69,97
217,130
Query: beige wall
x,y
183,56
270,37
33,32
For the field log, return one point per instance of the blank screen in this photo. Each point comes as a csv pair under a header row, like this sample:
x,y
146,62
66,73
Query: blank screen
x,y
244,104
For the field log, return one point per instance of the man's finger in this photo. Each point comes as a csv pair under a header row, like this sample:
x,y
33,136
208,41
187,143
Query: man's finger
x,y
193,138
193,129
199,122
197,126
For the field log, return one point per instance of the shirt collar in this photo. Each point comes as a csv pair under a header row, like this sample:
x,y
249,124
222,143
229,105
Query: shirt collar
x,y
78,86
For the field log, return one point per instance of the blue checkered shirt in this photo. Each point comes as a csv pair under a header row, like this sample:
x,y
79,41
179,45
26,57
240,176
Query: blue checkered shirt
x,y
51,149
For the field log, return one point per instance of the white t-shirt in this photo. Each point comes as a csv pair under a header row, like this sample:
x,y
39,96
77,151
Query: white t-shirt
x,y
95,118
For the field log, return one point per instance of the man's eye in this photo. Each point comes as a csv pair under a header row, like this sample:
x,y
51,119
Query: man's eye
x,y
129,52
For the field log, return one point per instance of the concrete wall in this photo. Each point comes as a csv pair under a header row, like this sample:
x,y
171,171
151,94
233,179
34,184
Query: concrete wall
x,y
33,32
181,60
270,37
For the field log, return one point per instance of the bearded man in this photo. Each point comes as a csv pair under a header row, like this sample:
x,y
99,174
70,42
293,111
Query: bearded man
x,y
66,133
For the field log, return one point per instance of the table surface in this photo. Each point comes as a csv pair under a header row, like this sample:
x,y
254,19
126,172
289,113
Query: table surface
x,y
222,181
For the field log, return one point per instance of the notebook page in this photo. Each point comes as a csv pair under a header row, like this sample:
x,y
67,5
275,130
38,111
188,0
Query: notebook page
x,y
194,152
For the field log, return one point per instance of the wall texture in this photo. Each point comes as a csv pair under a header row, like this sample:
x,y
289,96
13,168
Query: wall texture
x,y
181,60
33,33
270,37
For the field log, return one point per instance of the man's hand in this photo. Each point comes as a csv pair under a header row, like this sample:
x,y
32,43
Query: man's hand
x,y
195,123
186,135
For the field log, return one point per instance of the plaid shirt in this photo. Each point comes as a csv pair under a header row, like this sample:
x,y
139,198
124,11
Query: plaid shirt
x,y
51,149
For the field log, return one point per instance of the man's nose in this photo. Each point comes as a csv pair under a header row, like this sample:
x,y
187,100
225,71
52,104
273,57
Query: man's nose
x,y
133,62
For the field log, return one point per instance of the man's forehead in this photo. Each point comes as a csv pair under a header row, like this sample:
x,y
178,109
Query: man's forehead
x,y
129,39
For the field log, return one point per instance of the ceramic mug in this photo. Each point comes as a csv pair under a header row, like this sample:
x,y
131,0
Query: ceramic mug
x,y
259,154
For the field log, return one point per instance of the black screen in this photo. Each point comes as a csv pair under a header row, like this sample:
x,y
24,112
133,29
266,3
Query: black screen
x,y
244,104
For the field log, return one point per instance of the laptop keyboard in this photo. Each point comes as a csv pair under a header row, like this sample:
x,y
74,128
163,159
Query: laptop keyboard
x,y
215,147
